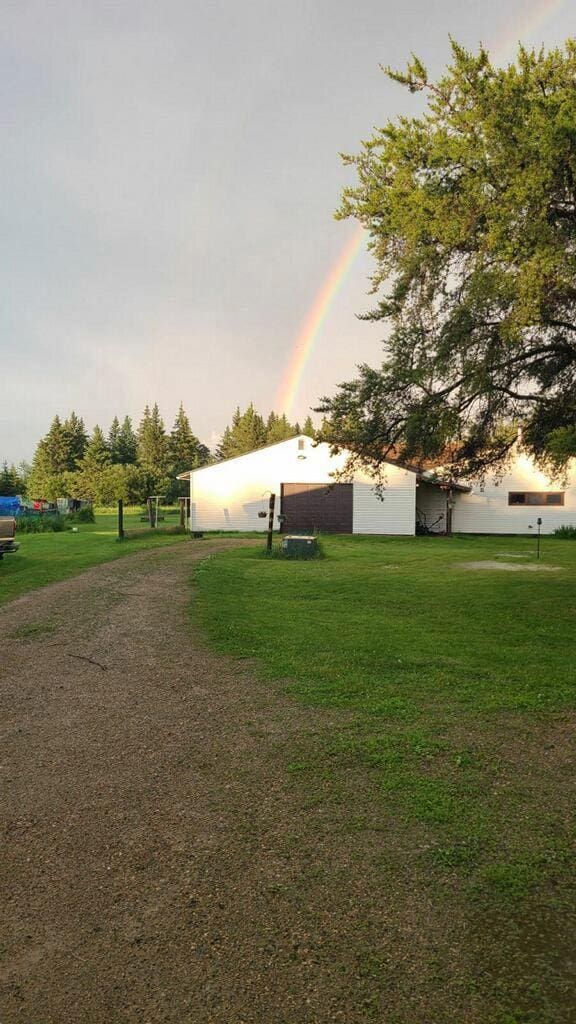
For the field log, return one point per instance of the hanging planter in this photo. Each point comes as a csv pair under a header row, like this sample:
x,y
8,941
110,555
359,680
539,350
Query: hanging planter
x,y
262,515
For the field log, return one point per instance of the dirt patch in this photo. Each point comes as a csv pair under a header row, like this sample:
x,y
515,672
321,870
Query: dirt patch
x,y
508,566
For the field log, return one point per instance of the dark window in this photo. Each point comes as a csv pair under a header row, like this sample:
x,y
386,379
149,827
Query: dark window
x,y
536,497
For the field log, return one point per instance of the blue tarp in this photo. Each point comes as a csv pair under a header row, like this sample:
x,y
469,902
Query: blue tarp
x,y
9,506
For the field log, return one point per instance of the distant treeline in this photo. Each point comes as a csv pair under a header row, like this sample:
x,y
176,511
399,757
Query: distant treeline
x,y
133,464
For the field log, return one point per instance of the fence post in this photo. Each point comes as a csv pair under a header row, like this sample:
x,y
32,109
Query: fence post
x,y
120,519
271,504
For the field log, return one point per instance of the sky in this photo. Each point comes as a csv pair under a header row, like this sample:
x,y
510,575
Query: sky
x,y
168,181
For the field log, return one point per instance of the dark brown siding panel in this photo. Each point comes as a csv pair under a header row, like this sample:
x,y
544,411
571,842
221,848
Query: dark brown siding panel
x,y
324,507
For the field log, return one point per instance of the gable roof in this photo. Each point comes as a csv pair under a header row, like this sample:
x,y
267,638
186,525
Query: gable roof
x,y
232,458
276,444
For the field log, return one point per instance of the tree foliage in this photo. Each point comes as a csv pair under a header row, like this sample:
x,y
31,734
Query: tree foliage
x,y
51,463
309,427
249,431
76,439
279,429
127,452
106,467
153,451
186,452
13,480
471,212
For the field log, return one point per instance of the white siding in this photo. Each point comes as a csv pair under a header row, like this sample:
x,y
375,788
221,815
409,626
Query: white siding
x,y
487,510
229,495
431,502
394,512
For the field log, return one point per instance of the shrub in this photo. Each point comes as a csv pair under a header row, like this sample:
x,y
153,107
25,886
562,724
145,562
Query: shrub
x,y
83,515
293,556
41,524
565,532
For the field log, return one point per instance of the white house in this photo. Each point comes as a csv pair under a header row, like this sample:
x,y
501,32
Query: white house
x,y
514,503
234,494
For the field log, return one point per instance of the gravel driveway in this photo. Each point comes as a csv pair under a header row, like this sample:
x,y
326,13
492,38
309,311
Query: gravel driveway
x,y
155,865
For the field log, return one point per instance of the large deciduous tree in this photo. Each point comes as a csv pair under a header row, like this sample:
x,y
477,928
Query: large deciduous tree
x,y
471,213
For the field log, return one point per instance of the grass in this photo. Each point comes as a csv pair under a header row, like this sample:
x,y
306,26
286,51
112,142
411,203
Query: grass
x,y
45,558
451,691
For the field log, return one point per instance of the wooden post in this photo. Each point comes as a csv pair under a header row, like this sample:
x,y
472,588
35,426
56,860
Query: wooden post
x,y
271,505
449,500
150,512
182,502
120,519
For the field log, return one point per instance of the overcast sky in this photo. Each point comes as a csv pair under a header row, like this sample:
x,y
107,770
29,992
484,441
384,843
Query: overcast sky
x,y
168,179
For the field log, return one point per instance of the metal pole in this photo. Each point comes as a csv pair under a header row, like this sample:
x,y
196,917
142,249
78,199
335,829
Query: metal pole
x,y
120,519
271,504
539,521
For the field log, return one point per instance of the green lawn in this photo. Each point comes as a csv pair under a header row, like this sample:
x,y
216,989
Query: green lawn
x,y
48,557
452,693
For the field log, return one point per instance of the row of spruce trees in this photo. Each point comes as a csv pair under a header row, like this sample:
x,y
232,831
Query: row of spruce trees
x,y
133,463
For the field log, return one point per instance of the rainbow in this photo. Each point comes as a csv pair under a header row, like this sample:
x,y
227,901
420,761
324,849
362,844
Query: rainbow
x,y
504,46
314,321
501,49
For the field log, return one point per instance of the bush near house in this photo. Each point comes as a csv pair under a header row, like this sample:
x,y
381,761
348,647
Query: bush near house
x,y
566,532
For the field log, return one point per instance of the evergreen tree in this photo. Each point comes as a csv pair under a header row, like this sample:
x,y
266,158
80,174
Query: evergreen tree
x,y
154,451
114,440
205,456
248,432
185,453
279,429
127,443
8,481
308,427
97,452
21,474
51,463
87,481
76,439
224,448
184,445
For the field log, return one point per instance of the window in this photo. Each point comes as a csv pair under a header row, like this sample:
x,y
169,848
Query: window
x,y
301,444
535,497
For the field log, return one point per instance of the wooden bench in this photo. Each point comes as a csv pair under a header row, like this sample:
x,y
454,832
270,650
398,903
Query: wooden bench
x,y
7,535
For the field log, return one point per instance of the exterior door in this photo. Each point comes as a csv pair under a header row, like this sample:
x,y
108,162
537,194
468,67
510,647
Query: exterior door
x,y
323,507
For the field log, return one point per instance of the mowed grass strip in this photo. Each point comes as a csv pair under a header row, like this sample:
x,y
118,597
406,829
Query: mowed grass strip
x,y
456,691
45,558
